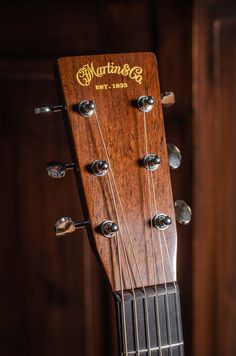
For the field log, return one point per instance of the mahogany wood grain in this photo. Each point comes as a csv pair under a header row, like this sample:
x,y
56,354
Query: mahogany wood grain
x,y
122,125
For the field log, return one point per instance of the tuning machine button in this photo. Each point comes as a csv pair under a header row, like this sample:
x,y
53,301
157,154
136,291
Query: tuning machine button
x,y
161,221
49,109
58,169
99,168
109,228
145,103
66,225
167,98
174,156
86,108
183,212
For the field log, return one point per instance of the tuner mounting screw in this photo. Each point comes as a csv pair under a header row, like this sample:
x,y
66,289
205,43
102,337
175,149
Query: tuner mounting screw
x,y
66,225
183,212
58,169
151,162
174,156
109,228
86,108
167,98
161,221
99,168
145,103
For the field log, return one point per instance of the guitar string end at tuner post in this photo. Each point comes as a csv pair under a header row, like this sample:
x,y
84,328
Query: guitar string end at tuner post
x,y
48,109
161,221
167,98
151,162
99,168
109,228
66,226
86,108
174,156
145,103
58,169
183,212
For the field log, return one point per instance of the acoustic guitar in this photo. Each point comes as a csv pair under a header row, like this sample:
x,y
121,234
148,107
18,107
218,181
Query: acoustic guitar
x,y
113,109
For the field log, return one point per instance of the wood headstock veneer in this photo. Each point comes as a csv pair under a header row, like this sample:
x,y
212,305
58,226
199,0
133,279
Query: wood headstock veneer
x,y
121,134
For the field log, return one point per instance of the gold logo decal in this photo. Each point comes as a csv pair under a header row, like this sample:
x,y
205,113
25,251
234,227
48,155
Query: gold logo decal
x,y
86,73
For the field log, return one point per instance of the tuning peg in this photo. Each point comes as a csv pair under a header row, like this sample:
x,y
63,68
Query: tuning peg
x,y
151,162
99,168
167,98
183,212
145,103
58,169
109,228
174,156
86,108
48,109
66,225
161,221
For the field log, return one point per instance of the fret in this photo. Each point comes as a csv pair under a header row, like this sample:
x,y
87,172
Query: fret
x,y
165,347
169,327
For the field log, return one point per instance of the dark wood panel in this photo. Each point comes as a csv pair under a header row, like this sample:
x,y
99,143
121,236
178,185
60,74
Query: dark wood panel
x,y
214,252
224,40
57,29
46,29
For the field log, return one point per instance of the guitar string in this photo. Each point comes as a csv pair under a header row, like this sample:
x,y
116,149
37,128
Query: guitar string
x,y
130,240
154,197
128,268
129,235
121,276
119,260
176,303
173,277
166,300
142,284
153,250
124,250
132,246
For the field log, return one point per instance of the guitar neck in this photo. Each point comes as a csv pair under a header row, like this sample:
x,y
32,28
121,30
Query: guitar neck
x,y
149,321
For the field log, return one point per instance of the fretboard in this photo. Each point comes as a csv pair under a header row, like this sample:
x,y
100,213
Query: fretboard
x,y
149,321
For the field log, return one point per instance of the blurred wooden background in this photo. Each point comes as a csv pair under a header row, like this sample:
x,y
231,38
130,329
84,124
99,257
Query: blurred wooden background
x,y
53,298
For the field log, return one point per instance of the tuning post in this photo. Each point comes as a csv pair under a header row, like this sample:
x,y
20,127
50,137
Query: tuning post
x,y
174,156
86,108
183,212
145,103
58,169
161,221
109,228
49,109
151,162
167,98
66,226
99,168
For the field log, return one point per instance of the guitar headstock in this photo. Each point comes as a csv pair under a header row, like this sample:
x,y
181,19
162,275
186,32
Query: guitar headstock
x,y
114,111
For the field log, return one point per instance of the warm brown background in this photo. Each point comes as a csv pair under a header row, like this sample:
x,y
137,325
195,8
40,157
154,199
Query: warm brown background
x,y
53,298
